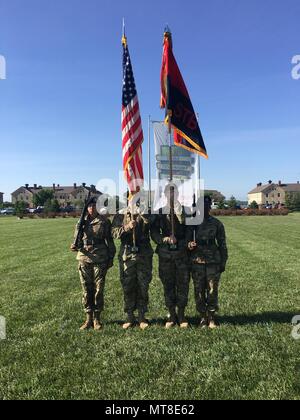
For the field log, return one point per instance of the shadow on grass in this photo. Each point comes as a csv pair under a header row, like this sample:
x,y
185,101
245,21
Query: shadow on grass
x,y
260,318
243,319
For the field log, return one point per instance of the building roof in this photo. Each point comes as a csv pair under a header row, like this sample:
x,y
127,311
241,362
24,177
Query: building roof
x,y
260,188
21,189
291,187
58,189
286,187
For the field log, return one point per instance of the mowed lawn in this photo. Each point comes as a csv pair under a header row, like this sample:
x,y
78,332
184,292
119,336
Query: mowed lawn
x,y
251,356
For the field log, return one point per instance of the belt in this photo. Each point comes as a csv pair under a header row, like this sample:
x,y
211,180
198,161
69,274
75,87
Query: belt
x,y
207,242
94,243
138,243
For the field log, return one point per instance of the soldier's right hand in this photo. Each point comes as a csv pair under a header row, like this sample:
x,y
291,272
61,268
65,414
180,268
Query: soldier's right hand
x,y
173,240
170,240
131,225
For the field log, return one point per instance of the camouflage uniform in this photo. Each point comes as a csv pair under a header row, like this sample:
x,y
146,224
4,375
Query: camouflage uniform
x,y
135,267
174,269
95,258
208,262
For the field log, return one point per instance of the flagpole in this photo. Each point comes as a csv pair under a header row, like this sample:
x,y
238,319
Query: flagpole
x,y
123,32
132,210
197,195
198,168
172,190
149,164
170,144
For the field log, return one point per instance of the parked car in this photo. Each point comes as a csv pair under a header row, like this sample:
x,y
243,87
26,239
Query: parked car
x,y
68,209
39,210
7,212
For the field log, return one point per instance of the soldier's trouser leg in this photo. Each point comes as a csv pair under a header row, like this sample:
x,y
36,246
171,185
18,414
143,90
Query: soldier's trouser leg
x,y
86,272
167,274
144,277
100,271
200,287
182,283
213,276
130,285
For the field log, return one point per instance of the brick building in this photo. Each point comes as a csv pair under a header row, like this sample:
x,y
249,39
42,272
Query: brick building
x,y
66,196
271,193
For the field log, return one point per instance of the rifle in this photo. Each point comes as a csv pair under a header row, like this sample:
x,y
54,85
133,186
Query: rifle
x,y
78,240
172,247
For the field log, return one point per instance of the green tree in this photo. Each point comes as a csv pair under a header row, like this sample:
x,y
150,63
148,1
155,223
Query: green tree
x,y
7,205
254,205
79,204
51,206
20,208
232,203
293,201
42,197
221,205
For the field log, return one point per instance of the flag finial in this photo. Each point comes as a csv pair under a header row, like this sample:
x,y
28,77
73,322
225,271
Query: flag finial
x,y
167,29
168,35
124,39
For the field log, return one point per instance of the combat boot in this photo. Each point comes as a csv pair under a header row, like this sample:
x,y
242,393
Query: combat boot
x,y
212,320
204,321
130,321
144,323
88,323
172,319
182,319
97,323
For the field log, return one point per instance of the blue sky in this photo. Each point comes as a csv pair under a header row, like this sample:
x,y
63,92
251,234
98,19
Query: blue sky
x,y
60,104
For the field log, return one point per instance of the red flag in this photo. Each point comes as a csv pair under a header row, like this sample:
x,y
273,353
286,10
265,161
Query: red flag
x,y
176,100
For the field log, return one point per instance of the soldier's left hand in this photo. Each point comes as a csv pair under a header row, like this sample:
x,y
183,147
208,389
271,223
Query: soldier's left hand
x,y
89,248
73,248
192,246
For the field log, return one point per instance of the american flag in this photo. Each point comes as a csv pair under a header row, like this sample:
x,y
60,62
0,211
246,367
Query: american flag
x,y
132,131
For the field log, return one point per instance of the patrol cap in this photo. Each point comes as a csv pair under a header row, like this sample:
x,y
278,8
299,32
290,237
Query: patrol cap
x,y
92,201
207,199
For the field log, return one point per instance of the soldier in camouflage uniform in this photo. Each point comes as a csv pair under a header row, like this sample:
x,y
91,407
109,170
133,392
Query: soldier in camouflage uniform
x,y
172,250
95,259
207,243
135,258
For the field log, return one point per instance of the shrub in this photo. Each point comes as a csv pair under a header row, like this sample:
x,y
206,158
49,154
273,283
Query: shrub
x,y
293,201
254,205
251,212
20,209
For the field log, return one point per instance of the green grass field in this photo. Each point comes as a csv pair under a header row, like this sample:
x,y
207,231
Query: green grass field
x,y
251,356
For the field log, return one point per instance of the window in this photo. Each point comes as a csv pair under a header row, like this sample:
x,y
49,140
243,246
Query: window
x,y
267,195
279,195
